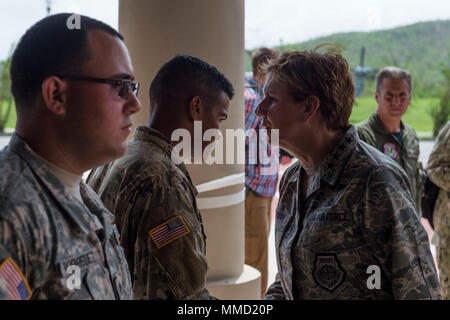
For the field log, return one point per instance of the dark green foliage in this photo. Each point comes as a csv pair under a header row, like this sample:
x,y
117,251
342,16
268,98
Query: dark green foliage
x,y
6,99
441,113
421,48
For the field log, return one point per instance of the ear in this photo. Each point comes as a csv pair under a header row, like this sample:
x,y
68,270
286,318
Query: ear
x,y
54,93
196,108
312,104
377,97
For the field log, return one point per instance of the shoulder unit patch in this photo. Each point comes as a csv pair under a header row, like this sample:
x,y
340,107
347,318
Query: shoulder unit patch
x,y
169,231
391,150
14,281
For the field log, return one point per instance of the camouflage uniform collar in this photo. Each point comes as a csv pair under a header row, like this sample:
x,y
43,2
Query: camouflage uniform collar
x,y
78,211
332,166
148,134
376,123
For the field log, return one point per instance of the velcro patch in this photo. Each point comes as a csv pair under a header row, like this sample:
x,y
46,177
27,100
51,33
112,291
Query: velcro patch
x,y
14,281
328,272
391,150
169,231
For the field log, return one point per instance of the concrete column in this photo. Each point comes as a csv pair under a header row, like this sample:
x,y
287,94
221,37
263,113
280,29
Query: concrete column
x,y
212,30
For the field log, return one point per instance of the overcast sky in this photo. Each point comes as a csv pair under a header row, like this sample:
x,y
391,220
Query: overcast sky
x,y
267,21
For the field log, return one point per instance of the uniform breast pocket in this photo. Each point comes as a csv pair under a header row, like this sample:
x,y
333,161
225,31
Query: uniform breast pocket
x,y
118,266
85,278
329,231
98,284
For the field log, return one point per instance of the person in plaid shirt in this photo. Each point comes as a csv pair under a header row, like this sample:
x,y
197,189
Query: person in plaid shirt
x,y
261,170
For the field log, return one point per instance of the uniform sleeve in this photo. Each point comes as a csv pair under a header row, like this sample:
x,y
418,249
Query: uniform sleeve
x,y
438,168
365,136
400,243
275,291
169,255
419,189
15,267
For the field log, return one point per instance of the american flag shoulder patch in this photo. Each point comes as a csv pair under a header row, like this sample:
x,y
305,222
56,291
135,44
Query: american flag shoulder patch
x,y
169,231
13,280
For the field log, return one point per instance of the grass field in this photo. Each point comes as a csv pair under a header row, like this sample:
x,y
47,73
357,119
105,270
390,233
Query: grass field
x,y
11,123
417,116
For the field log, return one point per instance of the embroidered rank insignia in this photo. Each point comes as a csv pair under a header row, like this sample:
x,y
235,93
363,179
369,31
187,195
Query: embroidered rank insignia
x,y
391,150
328,272
13,280
169,231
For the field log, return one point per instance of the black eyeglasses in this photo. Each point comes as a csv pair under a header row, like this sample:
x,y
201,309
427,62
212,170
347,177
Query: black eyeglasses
x,y
125,85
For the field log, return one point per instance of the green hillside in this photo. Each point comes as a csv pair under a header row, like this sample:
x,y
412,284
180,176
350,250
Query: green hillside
x,y
422,48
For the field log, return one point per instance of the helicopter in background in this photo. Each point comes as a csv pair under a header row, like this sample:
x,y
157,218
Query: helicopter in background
x,y
361,73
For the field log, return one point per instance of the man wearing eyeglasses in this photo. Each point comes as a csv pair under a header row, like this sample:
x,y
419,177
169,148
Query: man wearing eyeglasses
x,y
150,190
74,98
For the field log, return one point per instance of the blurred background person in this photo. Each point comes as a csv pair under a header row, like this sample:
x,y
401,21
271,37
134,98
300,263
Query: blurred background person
x,y
261,175
438,171
385,129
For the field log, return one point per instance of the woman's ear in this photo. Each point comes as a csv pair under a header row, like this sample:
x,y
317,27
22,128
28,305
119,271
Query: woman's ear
x,y
54,93
312,104
196,108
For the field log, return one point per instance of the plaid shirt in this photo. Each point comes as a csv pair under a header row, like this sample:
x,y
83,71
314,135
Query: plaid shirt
x,y
261,173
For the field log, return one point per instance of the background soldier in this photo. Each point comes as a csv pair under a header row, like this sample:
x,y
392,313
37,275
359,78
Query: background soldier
x,y
385,129
260,186
74,99
344,206
150,190
438,170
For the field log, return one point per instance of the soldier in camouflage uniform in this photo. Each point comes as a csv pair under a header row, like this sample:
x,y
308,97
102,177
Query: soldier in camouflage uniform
x,y
150,190
344,207
57,240
438,170
385,131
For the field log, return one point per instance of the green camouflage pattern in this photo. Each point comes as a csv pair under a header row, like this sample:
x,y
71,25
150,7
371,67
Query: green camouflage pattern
x,y
358,212
438,169
45,231
373,132
145,189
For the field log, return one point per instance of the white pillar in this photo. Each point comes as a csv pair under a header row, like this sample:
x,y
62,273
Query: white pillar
x,y
212,30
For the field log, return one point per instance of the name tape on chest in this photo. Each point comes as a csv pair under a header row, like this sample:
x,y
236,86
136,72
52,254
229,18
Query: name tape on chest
x,y
169,231
13,281
329,216
81,261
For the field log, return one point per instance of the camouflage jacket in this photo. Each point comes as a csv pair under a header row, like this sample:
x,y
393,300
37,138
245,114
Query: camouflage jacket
x,y
43,232
406,153
438,170
161,228
357,213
